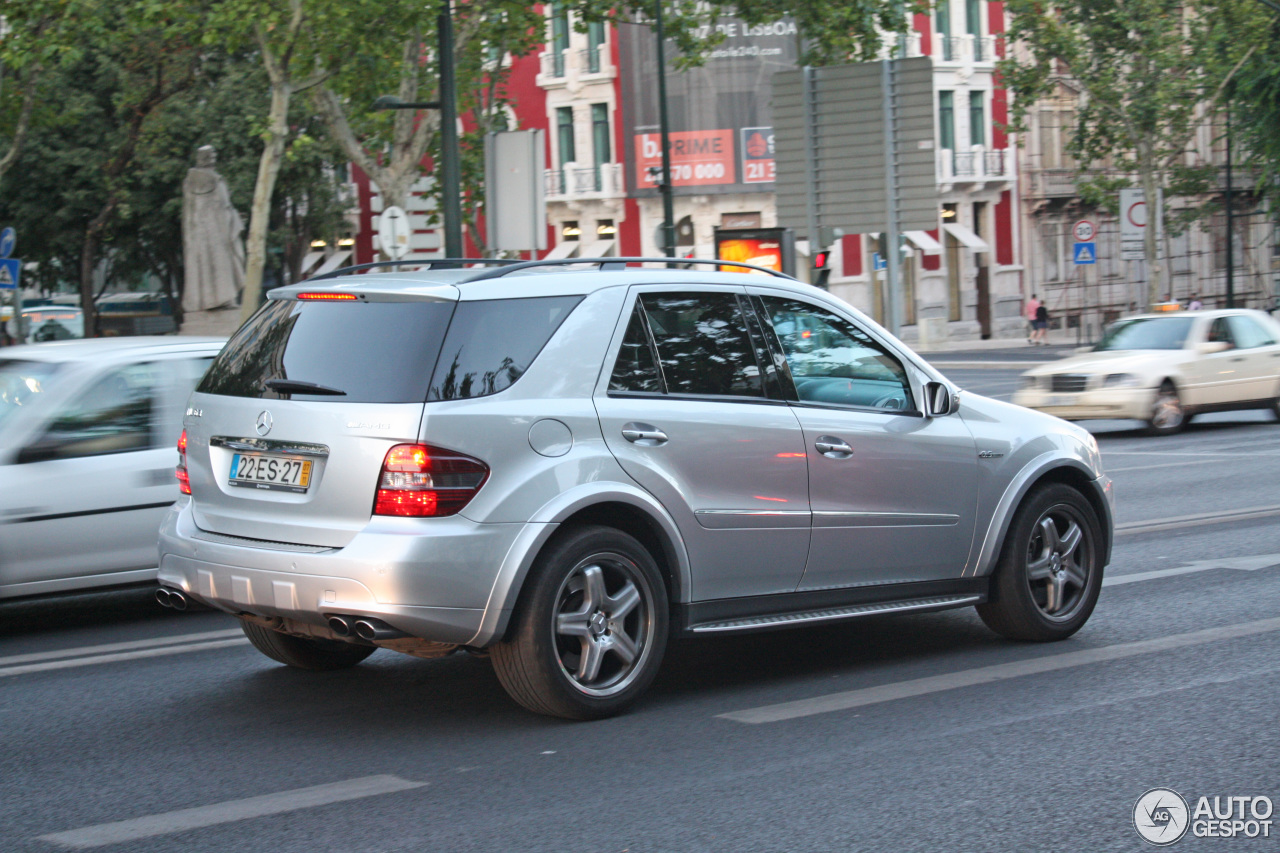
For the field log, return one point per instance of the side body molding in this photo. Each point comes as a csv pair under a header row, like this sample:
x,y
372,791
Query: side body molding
x,y
1017,490
545,522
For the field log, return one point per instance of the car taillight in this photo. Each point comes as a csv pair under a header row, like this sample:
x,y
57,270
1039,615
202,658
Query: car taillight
x,y
184,481
424,481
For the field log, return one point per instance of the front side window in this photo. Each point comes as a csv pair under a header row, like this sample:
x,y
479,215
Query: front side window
x,y
832,362
1220,333
1248,333
703,345
23,384
113,415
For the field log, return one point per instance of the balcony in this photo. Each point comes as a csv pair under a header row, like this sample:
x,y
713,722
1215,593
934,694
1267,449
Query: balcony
x,y
1052,183
573,181
977,165
966,49
560,67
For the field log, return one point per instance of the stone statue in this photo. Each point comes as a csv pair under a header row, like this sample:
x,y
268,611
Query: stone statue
x,y
212,248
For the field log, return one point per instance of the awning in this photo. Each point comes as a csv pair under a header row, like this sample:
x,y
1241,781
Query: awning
x,y
311,259
597,249
333,262
922,241
966,237
567,249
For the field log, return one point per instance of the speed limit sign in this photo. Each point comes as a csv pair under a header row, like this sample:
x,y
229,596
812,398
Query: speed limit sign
x,y
1084,231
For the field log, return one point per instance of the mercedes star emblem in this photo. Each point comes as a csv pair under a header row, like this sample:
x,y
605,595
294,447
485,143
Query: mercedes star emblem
x,y
264,423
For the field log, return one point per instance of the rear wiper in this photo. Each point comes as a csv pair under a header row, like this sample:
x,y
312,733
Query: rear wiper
x,y
293,386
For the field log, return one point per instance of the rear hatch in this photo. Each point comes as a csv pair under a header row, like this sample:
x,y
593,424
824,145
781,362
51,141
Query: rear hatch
x,y
287,432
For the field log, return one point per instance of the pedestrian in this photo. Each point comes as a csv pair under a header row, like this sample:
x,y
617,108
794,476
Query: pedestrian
x,y
1033,305
1040,325
1195,304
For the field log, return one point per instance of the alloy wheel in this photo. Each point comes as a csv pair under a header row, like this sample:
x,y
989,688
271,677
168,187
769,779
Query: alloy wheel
x,y
1059,559
603,624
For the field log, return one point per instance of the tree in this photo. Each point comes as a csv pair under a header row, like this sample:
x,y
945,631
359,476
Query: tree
x,y
1255,105
1149,74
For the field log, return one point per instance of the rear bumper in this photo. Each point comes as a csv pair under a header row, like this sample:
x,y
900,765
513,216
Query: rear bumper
x,y
431,578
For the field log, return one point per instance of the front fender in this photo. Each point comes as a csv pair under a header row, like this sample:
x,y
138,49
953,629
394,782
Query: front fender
x,y
543,525
1018,488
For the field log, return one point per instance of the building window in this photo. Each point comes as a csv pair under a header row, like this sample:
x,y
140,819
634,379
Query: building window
x,y
559,36
600,137
564,134
947,123
595,38
977,118
973,26
942,22
570,230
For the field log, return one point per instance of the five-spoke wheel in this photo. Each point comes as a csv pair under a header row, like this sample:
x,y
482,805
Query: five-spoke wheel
x,y
590,630
1050,570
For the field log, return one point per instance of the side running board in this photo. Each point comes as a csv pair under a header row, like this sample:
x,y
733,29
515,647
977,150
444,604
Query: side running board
x,y
831,614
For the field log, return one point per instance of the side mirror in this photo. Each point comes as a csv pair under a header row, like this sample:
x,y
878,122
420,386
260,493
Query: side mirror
x,y
1210,347
939,400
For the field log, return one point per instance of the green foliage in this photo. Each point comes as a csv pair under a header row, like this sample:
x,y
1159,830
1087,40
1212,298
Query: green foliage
x,y
1256,112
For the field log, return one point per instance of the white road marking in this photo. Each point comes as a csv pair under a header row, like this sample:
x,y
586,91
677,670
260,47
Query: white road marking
x,y
847,699
1244,564
230,811
1198,519
1111,470
120,647
23,669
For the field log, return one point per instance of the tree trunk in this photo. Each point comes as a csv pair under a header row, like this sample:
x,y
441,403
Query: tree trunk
x,y
260,213
1157,274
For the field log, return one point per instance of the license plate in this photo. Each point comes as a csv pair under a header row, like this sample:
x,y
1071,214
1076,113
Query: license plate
x,y
1059,400
268,471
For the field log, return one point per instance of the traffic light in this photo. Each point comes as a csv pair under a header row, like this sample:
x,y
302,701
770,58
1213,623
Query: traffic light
x,y
821,268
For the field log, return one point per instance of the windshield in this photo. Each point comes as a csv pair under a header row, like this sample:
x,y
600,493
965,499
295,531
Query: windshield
x,y
1146,333
21,384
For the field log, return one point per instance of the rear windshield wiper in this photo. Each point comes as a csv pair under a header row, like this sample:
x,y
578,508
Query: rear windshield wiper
x,y
293,386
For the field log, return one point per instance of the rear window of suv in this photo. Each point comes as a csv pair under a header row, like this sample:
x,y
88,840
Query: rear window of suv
x,y
385,352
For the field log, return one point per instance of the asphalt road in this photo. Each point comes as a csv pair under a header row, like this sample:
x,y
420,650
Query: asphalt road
x,y
127,727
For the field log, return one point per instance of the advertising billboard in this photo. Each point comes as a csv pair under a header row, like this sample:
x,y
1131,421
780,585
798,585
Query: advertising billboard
x,y
721,127
771,248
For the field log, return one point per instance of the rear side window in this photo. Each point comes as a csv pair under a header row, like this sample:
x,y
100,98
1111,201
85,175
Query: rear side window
x,y
373,352
492,342
703,344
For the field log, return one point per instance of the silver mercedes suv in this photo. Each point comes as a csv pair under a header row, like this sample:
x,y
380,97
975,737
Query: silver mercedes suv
x,y
564,465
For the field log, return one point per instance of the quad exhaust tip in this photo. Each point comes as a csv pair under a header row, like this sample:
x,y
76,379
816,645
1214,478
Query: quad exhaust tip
x,y
340,626
375,629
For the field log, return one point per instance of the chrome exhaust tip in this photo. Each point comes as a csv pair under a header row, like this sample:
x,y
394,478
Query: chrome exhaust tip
x,y
340,626
376,629
177,600
162,596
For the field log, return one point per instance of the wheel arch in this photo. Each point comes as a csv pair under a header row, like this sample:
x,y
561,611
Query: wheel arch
x,y
1049,469
616,505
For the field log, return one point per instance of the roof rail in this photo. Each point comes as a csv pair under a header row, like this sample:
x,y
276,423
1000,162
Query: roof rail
x,y
617,264
429,263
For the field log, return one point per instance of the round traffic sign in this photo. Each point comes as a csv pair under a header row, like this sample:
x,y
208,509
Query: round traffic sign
x,y
1084,231
7,238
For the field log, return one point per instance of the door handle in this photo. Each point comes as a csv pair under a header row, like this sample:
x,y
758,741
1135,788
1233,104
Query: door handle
x,y
1238,358
830,446
647,435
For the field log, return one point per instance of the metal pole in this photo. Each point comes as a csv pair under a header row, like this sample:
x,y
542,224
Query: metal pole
x,y
1231,258
664,129
812,227
450,172
893,254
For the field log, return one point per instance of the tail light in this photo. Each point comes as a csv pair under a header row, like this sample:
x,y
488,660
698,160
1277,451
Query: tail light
x,y
184,480
423,481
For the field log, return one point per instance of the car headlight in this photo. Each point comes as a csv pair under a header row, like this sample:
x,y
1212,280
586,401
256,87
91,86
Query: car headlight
x,y
1031,382
1120,380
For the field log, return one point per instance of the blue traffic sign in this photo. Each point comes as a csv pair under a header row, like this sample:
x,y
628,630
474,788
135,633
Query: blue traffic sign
x,y
10,269
1086,253
7,238
878,263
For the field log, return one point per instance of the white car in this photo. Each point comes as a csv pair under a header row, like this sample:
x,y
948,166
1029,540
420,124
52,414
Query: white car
x,y
88,441
1164,369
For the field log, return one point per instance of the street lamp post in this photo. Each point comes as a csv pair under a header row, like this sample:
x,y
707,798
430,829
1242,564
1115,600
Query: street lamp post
x,y
668,205
450,170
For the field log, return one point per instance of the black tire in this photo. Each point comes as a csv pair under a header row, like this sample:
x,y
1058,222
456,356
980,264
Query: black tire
x,y
593,597
1037,596
303,652
1168,416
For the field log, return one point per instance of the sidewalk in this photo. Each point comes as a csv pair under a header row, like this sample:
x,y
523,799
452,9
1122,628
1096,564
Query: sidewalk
x,y
1002,353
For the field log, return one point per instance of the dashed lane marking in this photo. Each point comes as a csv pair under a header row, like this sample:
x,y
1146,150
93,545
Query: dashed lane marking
x,y
847,699
121,647
228,812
